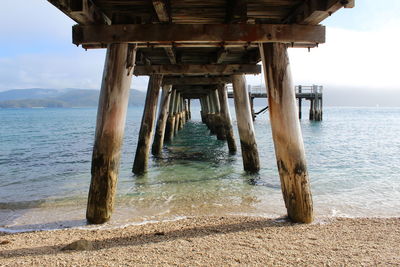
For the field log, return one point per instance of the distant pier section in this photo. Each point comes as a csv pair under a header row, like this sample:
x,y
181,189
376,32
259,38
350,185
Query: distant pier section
x,y
313,93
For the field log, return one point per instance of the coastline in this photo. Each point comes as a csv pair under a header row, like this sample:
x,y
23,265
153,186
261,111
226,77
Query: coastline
x,y
214,241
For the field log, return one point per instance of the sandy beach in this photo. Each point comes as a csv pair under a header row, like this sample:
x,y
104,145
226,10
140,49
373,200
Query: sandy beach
x,y
213,241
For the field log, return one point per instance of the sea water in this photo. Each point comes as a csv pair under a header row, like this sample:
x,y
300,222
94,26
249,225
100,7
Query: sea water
x,y
353,160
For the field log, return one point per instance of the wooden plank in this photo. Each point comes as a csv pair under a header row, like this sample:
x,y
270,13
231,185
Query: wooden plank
x,y
110,125
147,125
314,12
84,12
197,80
286,133
133,33
226,69
251,161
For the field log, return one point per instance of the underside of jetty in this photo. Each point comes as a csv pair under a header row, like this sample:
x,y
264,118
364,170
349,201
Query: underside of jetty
x,y
192,50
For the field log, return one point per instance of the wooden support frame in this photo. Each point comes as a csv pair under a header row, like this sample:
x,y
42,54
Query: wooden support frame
x,y
147,125
219,33
251,161
286,133
313,12
84,12
211,69
110,125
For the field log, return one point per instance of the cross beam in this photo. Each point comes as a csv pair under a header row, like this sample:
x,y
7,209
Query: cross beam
x,y
217,33
197,80
313,12
84,12
192,69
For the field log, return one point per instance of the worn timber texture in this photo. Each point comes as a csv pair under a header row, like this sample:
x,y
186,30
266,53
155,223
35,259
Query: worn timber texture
x,y
147,125
158,141
194,69
111,115
226,118
183,33
251,162
286,133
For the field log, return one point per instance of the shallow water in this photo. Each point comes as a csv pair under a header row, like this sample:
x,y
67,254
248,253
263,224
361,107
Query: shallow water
x,y
45,169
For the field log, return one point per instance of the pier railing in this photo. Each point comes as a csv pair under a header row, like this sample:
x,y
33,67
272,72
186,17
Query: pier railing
x,y
260,91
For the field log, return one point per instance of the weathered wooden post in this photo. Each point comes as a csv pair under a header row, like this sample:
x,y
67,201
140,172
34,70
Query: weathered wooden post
x,y
213,113
203,110
111,115
226,117
189,113
170,129
248,143
162,121
176,113
286,132
312,107
218,121
147,125
300,102
176,117
251,98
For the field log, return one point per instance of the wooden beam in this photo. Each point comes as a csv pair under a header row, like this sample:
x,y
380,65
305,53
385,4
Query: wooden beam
x,y
161,33
178,69
236,11
198,44
197,80
221,55
83,12
170,54
161,8
313,12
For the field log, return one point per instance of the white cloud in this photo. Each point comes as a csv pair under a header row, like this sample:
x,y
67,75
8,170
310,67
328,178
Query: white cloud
x,y
350,58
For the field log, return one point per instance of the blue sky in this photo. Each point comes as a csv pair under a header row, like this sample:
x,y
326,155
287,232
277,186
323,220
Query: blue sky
x,y
361,50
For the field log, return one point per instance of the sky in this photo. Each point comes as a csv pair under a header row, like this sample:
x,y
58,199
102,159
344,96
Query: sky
x,y
361,51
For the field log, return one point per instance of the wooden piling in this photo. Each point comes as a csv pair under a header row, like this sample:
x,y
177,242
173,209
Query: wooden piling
x,y
218,120
170,128
300,103
111,115
176,113
162,121
147,125
251,162
189,116
286,132
226,117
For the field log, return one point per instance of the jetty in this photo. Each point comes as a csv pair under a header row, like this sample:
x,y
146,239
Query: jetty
x,y
192,50
312,93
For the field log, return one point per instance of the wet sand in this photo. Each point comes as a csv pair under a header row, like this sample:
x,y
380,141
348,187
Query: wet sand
x,y
213,241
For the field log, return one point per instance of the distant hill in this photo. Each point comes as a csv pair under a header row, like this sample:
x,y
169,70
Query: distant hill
x,y
59,98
